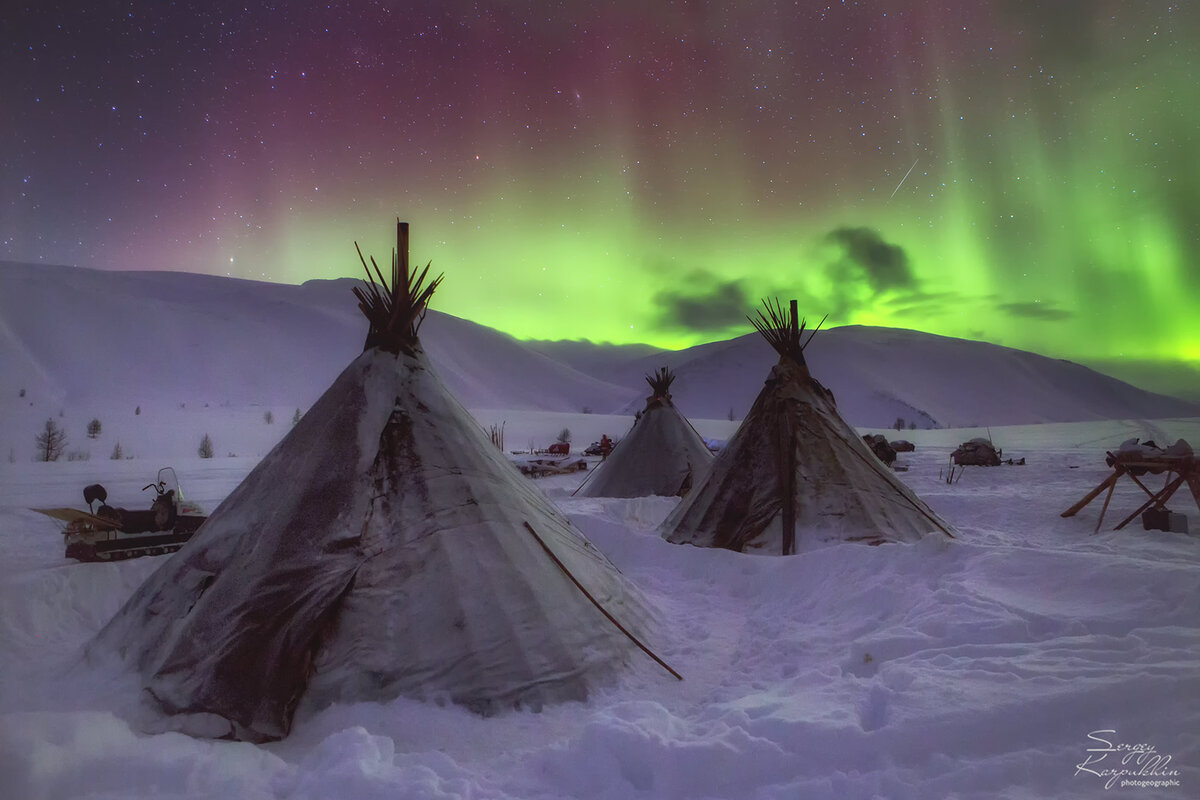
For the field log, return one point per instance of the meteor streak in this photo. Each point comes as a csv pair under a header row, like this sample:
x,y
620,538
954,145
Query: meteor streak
x,y
902,180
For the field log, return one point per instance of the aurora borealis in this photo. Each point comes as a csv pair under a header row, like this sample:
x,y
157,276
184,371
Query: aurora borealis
x,y
1022,172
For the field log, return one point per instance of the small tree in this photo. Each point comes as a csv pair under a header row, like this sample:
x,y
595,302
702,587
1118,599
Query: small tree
x,y
731,417
117,453
912,426
898,424
269,418
51,442
296,417
206,447
93,429
137,411
564,436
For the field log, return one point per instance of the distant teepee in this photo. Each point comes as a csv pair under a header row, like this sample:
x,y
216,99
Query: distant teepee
x,y
661,455
383,548
796,473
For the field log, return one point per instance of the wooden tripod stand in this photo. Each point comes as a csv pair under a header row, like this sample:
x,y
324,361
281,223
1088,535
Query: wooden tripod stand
x,y
1185,469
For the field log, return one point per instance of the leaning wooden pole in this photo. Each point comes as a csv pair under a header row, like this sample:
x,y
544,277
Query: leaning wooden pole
x,y
1159,500
1104,508
596,603
1092,495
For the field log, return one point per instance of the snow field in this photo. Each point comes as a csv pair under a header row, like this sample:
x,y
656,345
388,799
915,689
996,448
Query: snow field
x,y
969,668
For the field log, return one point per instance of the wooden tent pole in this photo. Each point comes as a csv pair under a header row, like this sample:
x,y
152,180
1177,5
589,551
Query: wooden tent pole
x,y
1104,484
596,603
402,251
787,458
787,463
588,478
1159,499
1141,485
1111,487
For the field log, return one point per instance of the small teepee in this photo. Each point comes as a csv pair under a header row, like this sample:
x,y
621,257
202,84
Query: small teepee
x,y
661,455
384,548
796,474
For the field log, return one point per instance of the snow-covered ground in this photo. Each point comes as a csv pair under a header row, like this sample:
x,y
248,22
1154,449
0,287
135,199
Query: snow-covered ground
x,y
984,667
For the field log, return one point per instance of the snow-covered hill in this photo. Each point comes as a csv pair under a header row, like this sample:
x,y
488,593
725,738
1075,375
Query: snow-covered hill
x,y
76,335
81,344
881,374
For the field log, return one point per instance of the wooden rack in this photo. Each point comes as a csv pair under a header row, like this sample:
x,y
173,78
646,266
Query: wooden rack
x,y
1180,470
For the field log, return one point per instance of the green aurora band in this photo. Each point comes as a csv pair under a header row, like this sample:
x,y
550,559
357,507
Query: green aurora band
x,y
1045,211
1082,244
1022,172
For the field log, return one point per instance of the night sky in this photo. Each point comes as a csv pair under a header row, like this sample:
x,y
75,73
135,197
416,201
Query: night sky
x,y
1022,172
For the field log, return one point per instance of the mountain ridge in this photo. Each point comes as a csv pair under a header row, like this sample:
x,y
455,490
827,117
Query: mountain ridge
x,y
71,335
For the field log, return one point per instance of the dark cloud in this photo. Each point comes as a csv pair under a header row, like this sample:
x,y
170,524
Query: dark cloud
x,y
862,270
1035,310
924,304
865,253
705,304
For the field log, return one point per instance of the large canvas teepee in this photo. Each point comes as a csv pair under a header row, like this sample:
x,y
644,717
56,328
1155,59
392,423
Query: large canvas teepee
x,y
383,548
661,455
795,473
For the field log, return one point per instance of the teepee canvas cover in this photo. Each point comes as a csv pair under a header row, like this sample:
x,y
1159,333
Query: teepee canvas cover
x,y
661,455
383,548
796,473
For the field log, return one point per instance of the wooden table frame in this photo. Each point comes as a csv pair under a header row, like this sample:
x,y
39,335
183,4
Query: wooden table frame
x,y
1186,469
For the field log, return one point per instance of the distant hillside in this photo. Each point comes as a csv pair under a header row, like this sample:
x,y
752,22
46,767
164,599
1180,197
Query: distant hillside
x,y
77,339
590,358
881,374
72,335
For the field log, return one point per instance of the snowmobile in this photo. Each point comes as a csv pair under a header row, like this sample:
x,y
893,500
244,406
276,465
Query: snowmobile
x,y
112,534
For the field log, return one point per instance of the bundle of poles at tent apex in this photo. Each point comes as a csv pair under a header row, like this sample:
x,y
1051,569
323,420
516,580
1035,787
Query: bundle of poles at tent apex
x,y
784,334
796,474
395,310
